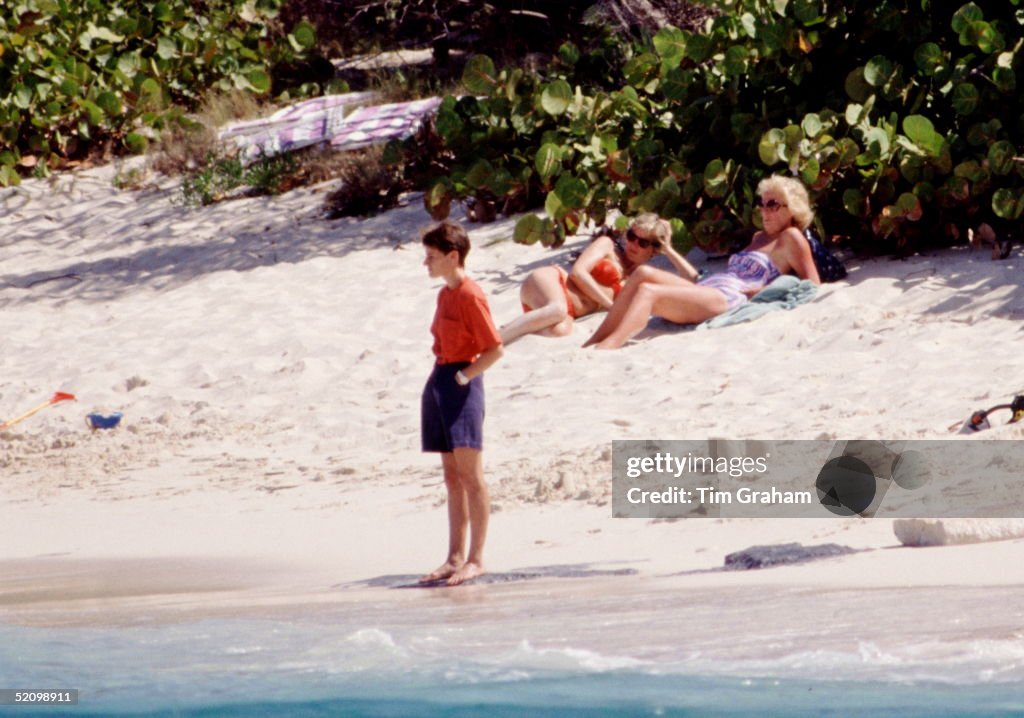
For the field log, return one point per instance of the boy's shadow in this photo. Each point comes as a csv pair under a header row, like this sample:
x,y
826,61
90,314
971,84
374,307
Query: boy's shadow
x,y
530,573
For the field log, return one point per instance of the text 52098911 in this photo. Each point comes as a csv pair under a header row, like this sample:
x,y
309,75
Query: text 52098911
x,y
38,697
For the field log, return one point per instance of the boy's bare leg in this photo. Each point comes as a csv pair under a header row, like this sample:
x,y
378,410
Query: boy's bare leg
x,y
458,520
470,469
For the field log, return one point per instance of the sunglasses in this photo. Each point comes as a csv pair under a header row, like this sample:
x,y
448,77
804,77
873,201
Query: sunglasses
x,y
772,204
644,243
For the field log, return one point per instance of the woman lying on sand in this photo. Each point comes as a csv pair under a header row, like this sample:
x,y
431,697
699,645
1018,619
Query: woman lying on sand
x,y
552,298
780,248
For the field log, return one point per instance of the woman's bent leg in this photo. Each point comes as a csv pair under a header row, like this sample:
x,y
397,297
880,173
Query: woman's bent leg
x,y
549,316
681,304
642,277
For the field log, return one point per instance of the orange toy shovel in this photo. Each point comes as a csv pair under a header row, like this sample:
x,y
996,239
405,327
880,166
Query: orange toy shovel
x,y
58,396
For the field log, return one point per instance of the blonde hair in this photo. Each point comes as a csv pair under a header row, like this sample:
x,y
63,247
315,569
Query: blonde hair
x,y
795,195
654,226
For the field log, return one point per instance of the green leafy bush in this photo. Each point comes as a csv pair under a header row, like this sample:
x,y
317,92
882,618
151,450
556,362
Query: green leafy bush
x,y
902,116
74,76
221,177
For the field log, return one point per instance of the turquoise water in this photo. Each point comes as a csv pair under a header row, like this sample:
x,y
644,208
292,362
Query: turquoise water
x,y
539,650
610,695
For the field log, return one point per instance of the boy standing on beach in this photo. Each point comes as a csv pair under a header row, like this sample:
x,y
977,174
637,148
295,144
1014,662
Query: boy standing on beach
x,y
466,343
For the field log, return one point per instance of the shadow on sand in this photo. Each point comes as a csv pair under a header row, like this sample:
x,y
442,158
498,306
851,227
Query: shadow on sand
x,y
530,573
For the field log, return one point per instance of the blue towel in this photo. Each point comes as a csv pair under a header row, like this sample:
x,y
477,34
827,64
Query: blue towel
x,y
785,292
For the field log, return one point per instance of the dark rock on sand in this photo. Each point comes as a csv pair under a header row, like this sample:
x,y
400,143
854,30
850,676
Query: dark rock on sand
x,y
781,554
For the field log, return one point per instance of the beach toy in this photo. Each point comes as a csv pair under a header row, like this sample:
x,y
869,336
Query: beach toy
x,y
103,421
979,419
57,397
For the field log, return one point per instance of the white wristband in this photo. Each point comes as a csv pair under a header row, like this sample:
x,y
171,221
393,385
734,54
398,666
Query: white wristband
x,y
460,378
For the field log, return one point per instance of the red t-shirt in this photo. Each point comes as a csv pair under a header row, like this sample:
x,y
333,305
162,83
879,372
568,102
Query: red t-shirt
x,y
462,326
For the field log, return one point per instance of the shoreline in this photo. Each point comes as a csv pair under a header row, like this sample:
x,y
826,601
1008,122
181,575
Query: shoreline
x,y
577,542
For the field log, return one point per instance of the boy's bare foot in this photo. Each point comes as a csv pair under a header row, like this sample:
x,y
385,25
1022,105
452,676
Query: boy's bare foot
x,y
445,570
466,572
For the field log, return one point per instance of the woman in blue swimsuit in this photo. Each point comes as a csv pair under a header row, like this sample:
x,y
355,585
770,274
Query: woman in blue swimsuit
x,y
779,248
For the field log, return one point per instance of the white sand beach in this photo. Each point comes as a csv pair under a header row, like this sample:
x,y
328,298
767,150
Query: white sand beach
x,y
269,364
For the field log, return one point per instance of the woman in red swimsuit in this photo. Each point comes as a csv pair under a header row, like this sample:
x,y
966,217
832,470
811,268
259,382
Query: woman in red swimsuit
x,y
552,298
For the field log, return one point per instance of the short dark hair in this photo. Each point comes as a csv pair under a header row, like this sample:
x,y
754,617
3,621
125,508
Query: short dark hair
x,y
447,237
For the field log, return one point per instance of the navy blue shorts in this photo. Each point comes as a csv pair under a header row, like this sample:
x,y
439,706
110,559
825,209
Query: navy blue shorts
x,y
453,415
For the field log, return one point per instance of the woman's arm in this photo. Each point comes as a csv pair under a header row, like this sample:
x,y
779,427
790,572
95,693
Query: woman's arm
x,y
797,251
683,267
581,268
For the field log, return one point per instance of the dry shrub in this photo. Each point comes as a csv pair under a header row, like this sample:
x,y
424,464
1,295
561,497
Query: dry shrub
x,y
317,164
220,108
182,148
190,143
368,185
